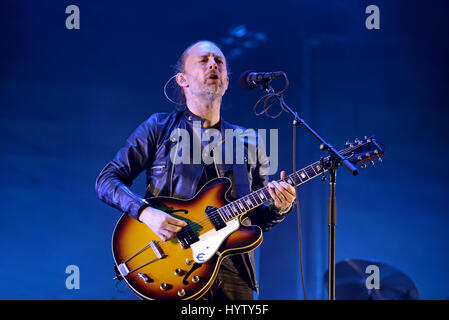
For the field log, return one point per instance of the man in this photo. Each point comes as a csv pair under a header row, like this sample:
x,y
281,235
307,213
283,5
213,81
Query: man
x,y
203,79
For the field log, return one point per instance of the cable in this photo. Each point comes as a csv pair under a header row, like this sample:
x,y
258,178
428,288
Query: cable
x,y
298,215
276,96
166,95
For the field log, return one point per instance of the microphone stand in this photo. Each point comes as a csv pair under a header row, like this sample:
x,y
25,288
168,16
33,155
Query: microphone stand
x,y
335,159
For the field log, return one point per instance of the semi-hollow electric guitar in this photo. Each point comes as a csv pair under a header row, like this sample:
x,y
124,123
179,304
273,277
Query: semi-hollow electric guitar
x,y
185,266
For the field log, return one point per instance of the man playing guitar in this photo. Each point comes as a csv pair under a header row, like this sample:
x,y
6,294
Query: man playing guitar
x,y
203,80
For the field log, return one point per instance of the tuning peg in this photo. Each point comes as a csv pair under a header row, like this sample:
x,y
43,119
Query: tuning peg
x,y
363,166
380,159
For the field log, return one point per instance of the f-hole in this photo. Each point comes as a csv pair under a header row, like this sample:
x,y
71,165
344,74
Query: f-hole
x,y
194,267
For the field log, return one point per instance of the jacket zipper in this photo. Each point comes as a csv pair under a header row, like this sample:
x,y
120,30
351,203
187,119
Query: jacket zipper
x,y
159,166
215,164
173,170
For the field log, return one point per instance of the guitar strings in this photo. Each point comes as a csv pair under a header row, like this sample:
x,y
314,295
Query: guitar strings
x,y
198,224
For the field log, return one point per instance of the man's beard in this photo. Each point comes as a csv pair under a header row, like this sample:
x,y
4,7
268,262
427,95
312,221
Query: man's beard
x,y
213,92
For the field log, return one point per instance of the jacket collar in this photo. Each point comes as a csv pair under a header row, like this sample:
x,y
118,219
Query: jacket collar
x,y
190,117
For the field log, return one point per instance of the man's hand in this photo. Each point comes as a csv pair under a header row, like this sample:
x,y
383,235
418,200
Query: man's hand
x,y
162,224
282,193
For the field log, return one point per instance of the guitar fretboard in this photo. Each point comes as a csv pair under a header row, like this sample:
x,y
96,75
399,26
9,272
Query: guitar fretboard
x,y
258,197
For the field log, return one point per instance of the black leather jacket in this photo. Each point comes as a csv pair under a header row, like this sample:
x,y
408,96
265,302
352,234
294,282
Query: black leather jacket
x,y
149,147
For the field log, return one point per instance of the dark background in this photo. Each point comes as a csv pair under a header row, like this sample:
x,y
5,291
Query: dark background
x,y
70,98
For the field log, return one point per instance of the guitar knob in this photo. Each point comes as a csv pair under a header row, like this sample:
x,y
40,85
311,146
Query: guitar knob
x,y
181,292
363,166
380,159
164,286
372,162
188,262
179,272
195,279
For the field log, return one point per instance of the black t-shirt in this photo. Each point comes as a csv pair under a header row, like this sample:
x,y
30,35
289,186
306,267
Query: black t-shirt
x,y
210,172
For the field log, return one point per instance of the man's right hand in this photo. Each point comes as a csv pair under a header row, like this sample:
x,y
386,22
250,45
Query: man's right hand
x,y
162,224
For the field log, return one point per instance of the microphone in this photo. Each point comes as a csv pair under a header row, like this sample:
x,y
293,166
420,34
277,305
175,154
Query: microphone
x,y
250,80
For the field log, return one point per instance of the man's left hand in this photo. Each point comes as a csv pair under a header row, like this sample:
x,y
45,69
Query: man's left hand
x,y
282,193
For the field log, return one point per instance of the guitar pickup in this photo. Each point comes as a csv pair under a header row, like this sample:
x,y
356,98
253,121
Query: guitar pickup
x,y
215,218
157,250
187,236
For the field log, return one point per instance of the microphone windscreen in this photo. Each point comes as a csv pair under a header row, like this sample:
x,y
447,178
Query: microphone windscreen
x,y
244,82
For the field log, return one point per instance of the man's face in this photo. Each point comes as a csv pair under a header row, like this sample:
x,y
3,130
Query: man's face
x,y
205,71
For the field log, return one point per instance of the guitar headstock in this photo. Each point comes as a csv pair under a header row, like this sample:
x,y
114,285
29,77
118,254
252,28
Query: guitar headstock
x,y
363,150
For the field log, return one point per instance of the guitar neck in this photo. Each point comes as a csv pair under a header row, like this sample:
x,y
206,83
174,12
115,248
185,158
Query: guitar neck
x,y
258,197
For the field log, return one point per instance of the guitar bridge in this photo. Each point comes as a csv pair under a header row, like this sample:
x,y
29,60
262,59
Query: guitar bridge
x,y
157,250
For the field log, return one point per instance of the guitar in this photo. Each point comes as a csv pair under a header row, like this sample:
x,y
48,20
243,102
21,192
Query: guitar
x,y
185,266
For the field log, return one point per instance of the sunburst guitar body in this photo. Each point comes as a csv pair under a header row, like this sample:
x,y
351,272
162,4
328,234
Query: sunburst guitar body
x,y
185,266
